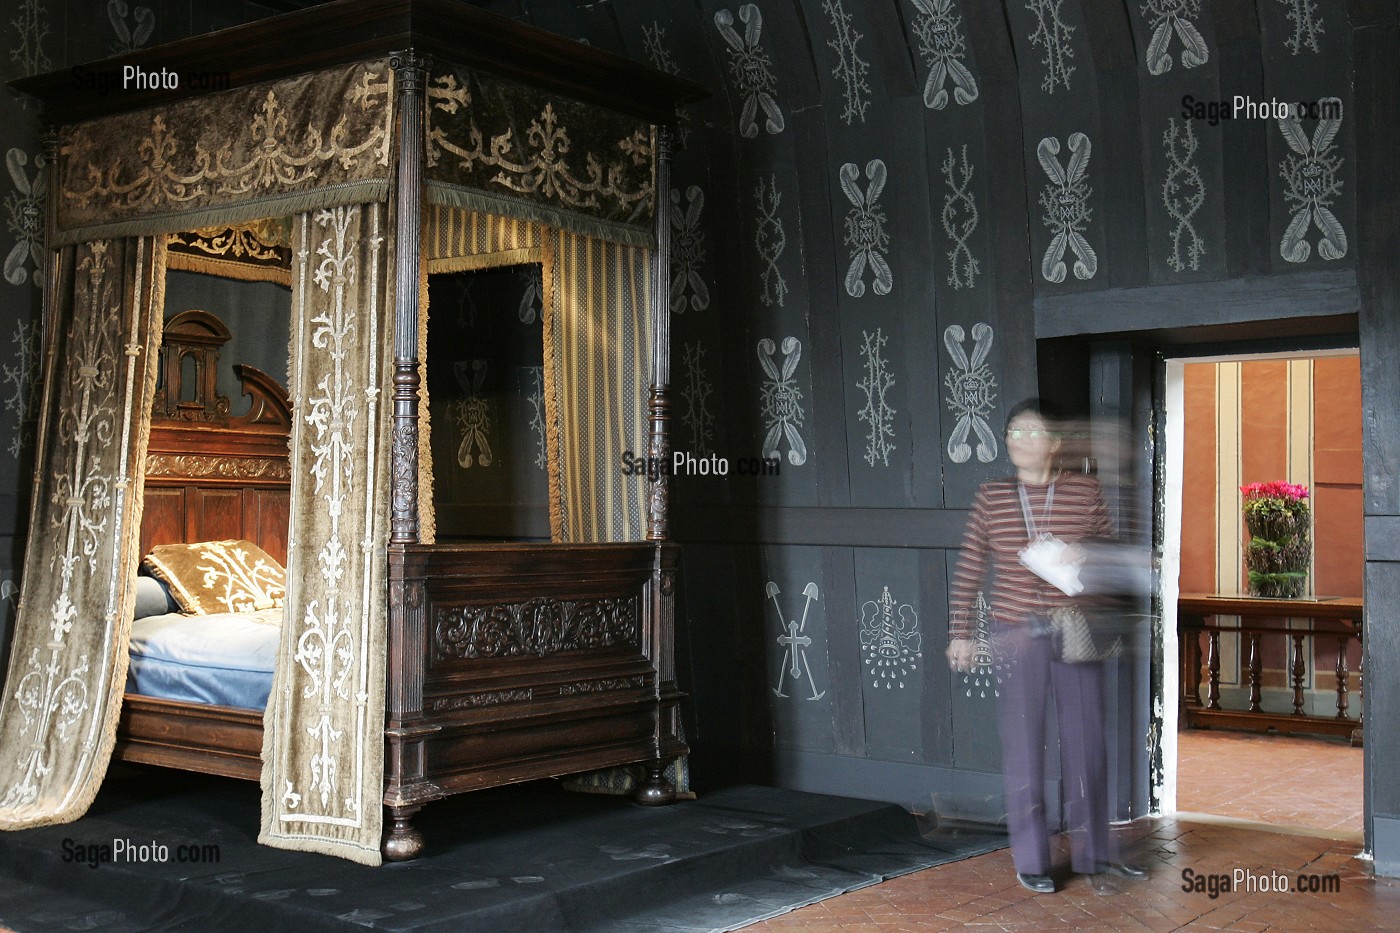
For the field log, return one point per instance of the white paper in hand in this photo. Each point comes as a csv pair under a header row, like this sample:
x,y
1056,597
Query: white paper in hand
x,y
1044,557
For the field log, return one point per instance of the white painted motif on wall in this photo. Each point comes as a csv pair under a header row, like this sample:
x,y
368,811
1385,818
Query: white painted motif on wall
x,y
1312,183
890,641
991,664
938,31
31,24
851,70
24,218
535,397
794,642
752,70
688,288
695,393
960,219
22,379
877,413
1052,35
1065,200
654,46
133,25
770,239
532,293
1173,17
1183,193
971,393
1307,26
472,414
865,228
780,400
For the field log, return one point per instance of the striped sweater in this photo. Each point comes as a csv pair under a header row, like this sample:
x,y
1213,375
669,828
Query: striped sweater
x,y
995,534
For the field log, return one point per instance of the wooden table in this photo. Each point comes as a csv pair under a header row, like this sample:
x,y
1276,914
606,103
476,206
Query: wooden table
x,y
1335,617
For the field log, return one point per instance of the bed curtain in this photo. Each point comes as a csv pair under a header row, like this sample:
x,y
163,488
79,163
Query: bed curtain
x,y
323,744
68,661
597,335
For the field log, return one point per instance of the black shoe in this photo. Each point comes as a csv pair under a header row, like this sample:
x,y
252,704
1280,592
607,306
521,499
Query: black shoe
x,y
1040,884
1124,870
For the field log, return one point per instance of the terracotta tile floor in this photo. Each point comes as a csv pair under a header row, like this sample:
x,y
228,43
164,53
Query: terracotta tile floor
x,y
1277,779
1304,781
982,894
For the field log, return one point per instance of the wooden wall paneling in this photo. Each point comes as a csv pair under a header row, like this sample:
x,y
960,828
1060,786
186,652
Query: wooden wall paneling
x,y
1060,100
214,514
1013,262
852,739
1307,65
162,517
1183,184
1118,147
1244,144
1376,38
888,337
709,620
801,620
939,682
894,628
267,513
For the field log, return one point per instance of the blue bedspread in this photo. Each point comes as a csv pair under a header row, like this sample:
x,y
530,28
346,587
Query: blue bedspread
x,y
226,660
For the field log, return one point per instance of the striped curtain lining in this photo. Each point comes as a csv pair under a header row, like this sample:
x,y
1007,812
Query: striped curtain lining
x,y
598,358
602,351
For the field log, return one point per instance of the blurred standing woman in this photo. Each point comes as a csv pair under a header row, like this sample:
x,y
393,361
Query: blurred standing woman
x,y
1007,514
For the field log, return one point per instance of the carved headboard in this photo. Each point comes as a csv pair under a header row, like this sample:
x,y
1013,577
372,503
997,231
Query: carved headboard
x,y
210,475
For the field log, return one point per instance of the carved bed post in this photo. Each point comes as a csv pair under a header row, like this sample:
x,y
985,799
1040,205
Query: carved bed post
x,y
405,787
654,789
660,403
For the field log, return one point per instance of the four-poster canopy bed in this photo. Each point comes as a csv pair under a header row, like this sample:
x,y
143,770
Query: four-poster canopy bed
x,y
400,138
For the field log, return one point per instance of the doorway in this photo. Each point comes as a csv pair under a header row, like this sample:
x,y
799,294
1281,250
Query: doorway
x,y
1230,421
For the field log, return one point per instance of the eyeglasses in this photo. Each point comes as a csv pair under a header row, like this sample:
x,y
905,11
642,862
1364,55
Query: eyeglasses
x,y
1019,434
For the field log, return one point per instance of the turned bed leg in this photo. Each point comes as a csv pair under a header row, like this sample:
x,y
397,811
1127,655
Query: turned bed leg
x,y
403,841
654,790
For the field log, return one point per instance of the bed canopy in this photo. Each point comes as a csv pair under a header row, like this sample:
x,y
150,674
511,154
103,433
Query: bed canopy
x,y
357,147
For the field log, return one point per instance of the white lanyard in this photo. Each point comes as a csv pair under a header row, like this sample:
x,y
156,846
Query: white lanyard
x,y
1026,508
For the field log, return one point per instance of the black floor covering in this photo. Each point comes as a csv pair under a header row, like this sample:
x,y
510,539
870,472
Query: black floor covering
x,y
530,858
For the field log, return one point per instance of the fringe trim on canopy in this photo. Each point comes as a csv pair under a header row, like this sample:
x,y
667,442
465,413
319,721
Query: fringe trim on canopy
x,y
278,205
427,511
470,199
510,257
229,269
554,453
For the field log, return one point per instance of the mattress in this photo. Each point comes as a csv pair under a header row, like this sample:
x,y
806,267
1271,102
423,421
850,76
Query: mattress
x,y
225,660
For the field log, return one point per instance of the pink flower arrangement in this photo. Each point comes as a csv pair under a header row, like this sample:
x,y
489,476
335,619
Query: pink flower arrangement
x,y
1286,493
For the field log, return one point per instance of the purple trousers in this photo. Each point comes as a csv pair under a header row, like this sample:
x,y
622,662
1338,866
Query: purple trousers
x,y
1037,685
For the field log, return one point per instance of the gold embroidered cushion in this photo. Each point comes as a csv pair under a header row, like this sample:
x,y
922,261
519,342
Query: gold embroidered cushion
x,y
219,576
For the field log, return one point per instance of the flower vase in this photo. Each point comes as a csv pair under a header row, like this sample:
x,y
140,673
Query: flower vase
x,y
1278,553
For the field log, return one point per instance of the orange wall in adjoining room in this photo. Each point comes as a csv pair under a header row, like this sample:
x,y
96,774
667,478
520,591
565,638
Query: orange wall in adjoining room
x,y
1298,421
1338,552
1198,522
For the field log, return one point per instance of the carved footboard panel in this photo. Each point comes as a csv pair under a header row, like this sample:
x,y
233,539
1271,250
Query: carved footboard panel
x,y
519,661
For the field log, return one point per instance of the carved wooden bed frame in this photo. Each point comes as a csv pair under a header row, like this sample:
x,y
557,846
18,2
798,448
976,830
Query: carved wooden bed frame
x,y
518,662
